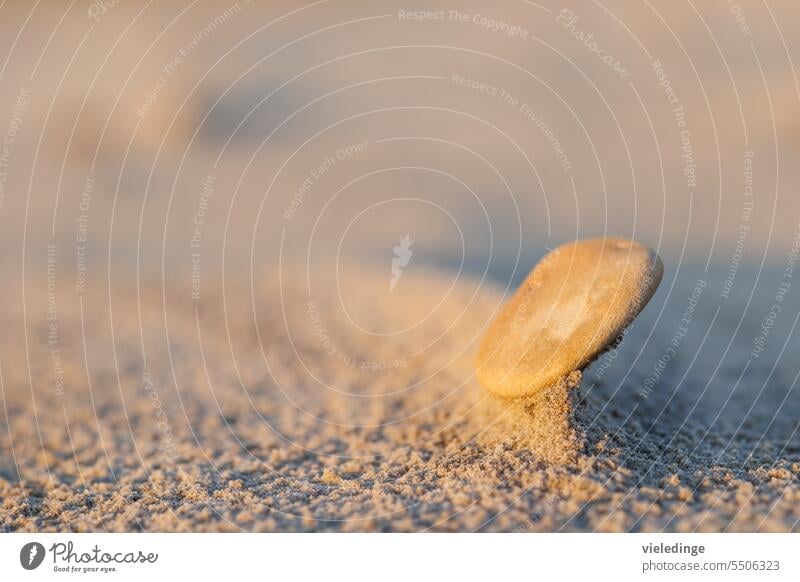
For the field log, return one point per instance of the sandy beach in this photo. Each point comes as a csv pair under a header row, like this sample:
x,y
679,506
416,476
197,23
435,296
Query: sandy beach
x,y
267,420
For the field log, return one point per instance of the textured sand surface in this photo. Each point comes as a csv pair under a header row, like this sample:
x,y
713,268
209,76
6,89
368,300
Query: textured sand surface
x,y
213,439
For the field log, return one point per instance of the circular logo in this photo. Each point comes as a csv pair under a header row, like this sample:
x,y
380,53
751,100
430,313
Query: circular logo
x,y
31,555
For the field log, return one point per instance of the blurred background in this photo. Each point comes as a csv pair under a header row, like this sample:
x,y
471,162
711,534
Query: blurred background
x,y
486,134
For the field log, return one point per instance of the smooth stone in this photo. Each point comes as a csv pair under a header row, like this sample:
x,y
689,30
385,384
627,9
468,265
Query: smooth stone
x,y
574,304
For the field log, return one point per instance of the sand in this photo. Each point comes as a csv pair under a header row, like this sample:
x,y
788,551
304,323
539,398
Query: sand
x,y
207,437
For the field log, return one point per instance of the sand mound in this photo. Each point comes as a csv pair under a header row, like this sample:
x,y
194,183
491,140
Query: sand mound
x,y
545,423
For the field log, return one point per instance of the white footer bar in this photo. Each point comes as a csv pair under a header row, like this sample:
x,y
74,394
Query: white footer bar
x,y
401,557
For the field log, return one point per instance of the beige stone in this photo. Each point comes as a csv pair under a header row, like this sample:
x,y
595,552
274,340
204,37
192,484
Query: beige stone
x,y
574,304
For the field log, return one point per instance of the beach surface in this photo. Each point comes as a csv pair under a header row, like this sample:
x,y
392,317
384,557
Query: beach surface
x,y
307,413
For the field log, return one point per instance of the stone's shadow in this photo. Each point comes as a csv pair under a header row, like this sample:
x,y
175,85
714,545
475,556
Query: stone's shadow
x,y
683,391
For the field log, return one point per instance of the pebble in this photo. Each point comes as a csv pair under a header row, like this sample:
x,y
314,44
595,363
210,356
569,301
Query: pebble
x,y
574,305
